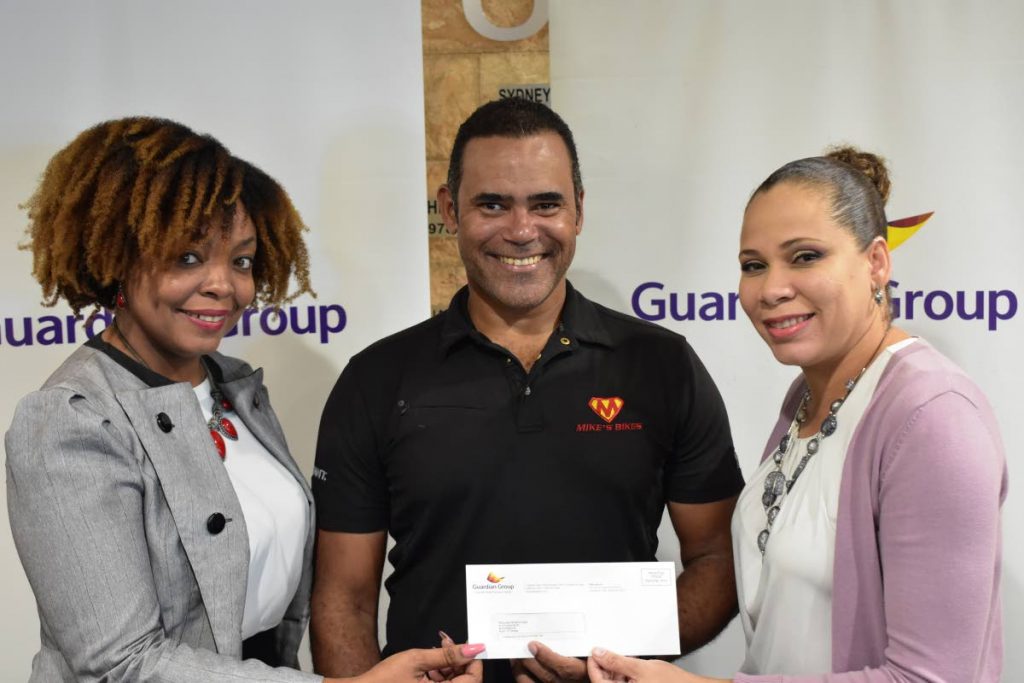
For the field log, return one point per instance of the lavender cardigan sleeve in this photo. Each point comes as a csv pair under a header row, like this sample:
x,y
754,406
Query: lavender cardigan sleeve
x,y
919,523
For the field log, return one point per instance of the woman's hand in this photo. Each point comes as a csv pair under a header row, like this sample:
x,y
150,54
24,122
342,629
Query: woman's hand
x,y
415,666
605,667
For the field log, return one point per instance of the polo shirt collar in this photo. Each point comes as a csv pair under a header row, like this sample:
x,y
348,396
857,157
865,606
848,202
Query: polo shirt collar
x,y
580,320
456,325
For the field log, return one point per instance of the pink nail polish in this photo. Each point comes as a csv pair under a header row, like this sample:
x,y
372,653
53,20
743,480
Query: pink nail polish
x,y
472,649
444,636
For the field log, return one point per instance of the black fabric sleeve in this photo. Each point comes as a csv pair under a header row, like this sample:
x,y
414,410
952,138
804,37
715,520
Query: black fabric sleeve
x,y
349,483
703,467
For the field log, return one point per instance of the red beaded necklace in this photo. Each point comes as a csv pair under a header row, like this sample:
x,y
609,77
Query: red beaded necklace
x,y
218,424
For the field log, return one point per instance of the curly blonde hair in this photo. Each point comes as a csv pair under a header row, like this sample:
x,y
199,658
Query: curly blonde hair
x,y
140,190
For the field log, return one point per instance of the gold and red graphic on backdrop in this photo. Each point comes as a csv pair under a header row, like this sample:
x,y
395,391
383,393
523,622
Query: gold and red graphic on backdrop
x,y
902,229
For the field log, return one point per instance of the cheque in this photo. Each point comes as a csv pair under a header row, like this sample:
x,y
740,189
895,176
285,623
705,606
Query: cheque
x,y
628,607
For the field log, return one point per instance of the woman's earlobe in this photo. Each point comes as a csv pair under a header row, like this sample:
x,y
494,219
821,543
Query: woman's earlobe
x,y
881,260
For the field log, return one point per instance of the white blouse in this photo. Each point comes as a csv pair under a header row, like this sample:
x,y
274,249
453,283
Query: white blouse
x,y
785,597
275,510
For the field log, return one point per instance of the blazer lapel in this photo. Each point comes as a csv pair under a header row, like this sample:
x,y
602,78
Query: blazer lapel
x,y
197,489
250,401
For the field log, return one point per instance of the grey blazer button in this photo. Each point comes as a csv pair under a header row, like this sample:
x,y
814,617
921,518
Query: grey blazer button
x,y
215,523
164,422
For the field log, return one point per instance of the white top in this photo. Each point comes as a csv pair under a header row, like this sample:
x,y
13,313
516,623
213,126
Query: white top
x,y
275,510
785,598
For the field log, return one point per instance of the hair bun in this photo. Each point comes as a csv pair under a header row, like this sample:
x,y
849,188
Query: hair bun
x,y
871,165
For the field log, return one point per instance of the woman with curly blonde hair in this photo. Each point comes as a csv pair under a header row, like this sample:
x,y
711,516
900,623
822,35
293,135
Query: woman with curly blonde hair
x,y
165,529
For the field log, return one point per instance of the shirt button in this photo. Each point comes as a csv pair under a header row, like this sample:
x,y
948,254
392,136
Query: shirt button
x,y
527,392
164,422
215,523
565,341
508,361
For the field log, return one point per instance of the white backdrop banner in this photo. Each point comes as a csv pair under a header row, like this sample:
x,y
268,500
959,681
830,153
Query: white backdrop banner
x,y
681,109
327,97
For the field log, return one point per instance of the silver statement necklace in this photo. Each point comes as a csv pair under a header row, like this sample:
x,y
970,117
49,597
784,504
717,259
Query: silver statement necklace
x,y
775,484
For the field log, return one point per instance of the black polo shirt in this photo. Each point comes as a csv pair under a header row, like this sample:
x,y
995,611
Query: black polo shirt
x,y
440,437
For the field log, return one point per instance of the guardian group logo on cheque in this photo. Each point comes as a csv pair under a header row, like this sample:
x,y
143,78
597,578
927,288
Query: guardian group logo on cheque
x,y
652,301
494,583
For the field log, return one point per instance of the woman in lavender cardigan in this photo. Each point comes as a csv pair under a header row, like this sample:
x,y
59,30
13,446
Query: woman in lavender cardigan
x,y
876,507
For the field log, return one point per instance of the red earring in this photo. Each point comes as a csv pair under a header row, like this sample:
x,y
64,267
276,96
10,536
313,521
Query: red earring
x,y
119,299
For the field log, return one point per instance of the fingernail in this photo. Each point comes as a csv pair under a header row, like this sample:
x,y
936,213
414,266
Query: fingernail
x,y
472,649
532,647
599,652
445,636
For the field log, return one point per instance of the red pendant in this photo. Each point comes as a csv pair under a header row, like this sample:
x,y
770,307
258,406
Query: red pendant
x,y
218,441
226,404
228,429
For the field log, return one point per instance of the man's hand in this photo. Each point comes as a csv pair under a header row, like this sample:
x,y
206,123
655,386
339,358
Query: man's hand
x,y
548,666
446,673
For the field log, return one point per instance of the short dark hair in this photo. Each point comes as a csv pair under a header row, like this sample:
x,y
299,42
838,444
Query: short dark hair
x,y
512,117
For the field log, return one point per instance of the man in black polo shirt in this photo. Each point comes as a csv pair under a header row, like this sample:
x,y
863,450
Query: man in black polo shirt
x,y
524,424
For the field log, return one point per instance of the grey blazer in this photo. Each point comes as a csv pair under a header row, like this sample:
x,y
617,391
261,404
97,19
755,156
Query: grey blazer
x,y
111,504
